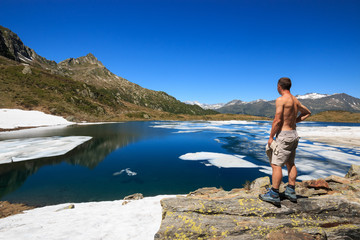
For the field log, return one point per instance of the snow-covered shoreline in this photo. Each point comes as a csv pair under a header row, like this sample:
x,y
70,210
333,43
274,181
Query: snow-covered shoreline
x,y
138,219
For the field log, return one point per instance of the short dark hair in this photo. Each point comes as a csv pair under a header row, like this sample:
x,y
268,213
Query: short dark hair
x,y
285,83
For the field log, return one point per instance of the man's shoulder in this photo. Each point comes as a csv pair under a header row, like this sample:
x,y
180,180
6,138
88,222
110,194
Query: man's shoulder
x,y
287,97
280,99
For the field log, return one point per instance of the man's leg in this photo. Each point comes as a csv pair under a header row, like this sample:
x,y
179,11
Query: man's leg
x,y
276,176
292,171
272,195
290,188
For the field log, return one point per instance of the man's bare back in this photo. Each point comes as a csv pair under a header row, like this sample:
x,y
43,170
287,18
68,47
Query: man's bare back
x,y
286,114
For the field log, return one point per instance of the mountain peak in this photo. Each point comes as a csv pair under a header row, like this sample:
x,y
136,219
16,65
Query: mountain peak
x,y
88,59
312,96
206,106
90,55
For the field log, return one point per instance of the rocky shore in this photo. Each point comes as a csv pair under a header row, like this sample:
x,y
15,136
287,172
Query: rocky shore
x,y
8,209
326,209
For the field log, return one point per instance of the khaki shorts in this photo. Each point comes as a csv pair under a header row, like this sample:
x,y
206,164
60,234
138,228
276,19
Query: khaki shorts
x,y
287,142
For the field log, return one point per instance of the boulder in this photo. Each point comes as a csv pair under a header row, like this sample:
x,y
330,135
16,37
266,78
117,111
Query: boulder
x,y
317,184
259,183
337,179
27,70
211,213
135,196
354,172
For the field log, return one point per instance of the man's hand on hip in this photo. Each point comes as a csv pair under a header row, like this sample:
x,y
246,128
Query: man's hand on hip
x,y
270,141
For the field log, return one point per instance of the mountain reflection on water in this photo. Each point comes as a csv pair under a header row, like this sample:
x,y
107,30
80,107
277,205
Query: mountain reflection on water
x,y
106,138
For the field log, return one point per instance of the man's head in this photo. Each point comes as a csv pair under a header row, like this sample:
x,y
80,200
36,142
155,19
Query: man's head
x,y
284,83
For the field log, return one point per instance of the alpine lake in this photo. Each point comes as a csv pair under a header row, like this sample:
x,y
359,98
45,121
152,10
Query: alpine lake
x,y
152,158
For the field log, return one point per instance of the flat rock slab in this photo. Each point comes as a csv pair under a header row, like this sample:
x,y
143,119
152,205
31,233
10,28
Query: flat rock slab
x,y
239,214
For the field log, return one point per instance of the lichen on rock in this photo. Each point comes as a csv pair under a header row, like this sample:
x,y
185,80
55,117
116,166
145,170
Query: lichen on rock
x,y
326,209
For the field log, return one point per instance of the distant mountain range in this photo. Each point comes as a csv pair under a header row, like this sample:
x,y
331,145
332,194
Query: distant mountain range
x,y
206,106
79,85
316,102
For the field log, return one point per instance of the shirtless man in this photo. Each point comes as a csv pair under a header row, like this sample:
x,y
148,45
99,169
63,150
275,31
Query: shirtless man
x,y
284,128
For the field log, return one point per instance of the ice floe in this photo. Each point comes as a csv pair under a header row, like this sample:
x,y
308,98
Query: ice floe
x,y
219,159
16,150
127,171
138,220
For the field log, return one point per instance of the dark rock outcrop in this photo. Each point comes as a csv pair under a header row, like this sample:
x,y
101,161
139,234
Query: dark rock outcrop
x,y
326,209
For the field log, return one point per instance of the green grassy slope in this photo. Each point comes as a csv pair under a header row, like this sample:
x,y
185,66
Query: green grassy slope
x,y
336,116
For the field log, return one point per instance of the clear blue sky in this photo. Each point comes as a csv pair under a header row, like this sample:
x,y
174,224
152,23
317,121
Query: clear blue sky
x,y
206,50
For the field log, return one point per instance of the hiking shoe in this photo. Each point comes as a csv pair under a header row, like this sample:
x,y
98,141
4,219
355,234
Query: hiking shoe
x,y
290,194
271,197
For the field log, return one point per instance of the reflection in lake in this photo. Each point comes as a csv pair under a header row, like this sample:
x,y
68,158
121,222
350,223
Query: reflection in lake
x,y
155,158
106,138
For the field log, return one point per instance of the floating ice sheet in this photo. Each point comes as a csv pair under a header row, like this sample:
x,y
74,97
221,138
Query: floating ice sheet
x,y
220,159
16,150
127,171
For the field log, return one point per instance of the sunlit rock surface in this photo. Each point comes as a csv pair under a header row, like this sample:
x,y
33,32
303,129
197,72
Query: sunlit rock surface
x,y
326,209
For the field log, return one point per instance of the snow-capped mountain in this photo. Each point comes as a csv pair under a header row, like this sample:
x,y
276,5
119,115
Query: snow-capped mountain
x,y
206,106
316,102
312,96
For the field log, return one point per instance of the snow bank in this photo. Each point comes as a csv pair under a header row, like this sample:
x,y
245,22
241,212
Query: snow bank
x,y
138,219
15,118
340,136
16,150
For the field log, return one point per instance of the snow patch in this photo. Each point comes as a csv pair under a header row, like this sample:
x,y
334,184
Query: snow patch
x,y
206,106
15,118
138,220
312,96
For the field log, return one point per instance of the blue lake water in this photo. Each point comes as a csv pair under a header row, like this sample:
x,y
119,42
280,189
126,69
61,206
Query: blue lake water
x,y
156,156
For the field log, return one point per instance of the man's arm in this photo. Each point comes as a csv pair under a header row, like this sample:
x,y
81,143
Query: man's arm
x,y
278,120
304,113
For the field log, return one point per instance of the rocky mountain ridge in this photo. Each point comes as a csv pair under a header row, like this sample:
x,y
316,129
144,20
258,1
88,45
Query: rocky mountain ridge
x,y
89,70
314,101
